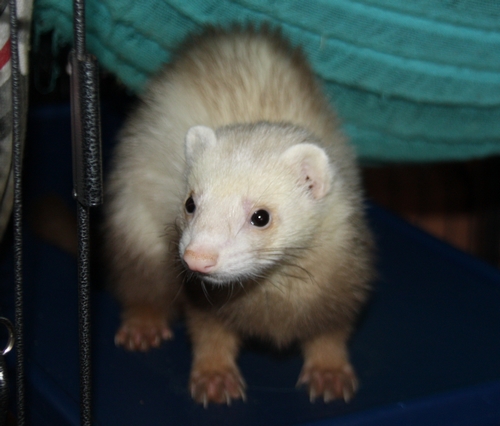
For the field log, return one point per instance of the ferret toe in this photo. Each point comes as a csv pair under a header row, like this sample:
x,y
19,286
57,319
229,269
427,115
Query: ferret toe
x,y
330,383
142,337
219,387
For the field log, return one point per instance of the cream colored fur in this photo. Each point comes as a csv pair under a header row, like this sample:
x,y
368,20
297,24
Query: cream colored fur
x,y
262,137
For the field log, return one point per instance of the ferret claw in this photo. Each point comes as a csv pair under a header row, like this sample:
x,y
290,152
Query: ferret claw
x,y
167,334
192,390
355,385
303,380
349,393
243,394
312,395
329,397
156,341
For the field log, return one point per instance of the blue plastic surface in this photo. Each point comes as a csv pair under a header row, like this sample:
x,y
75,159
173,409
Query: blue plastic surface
x,y
426,349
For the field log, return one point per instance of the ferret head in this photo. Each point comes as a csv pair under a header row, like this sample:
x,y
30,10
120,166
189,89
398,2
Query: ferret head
x,y
255,198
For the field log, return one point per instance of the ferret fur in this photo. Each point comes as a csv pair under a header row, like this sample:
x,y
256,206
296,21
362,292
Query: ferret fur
x,y
236,124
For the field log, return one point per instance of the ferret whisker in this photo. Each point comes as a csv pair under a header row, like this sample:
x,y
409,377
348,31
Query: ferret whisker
x,y
180,273
281,287
179,268
205,292
171,230
242,286
309,274
294,253
295,277
229,296
231,291
177,294
257,277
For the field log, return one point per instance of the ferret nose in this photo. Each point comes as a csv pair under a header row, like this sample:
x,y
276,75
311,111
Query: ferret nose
x,y
200,261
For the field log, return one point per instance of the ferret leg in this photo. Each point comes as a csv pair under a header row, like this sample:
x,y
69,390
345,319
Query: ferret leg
x,y
327,372
146,293
215,376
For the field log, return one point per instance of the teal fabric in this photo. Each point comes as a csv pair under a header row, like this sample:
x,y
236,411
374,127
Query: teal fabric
x,y
412,80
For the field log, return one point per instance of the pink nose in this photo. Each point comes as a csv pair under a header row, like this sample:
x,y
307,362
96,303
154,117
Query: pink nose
x,y
200,261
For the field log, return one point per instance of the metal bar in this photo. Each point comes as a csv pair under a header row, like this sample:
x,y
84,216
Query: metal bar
x,y
17,213
84,316
87,186
79,39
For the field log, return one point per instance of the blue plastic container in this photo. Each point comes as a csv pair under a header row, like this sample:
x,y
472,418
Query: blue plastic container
x,y
427,349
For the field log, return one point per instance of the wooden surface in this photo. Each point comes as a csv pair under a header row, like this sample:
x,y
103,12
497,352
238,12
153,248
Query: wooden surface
x,y
457,202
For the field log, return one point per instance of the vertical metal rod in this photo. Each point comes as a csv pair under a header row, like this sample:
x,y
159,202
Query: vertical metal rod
x,y
17,212
81,141
84,315
79,39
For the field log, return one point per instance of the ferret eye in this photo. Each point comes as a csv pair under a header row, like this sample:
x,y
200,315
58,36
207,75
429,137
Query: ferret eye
x,y
190,205
260,218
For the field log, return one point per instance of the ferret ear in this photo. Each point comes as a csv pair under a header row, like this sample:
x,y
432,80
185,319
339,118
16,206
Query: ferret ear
x,y
198,138
311,164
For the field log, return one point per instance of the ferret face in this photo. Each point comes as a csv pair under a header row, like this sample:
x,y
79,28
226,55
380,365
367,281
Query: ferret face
x,y
254,198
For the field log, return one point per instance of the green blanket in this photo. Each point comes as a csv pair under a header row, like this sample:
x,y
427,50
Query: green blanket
x,y
415,80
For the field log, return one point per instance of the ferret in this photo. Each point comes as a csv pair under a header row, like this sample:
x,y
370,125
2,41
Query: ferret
x,y
235,197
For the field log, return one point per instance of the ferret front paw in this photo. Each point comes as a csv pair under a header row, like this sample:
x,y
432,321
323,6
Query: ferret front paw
x,y
141,333
219,387
329,383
